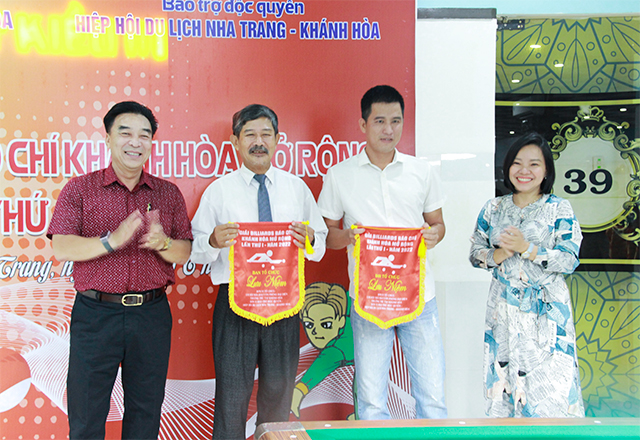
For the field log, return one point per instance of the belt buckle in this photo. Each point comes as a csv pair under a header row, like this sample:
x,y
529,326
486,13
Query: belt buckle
x,y
138,299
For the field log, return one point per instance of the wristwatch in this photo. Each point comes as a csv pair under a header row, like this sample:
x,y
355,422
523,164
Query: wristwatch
x,y
104,239
527,253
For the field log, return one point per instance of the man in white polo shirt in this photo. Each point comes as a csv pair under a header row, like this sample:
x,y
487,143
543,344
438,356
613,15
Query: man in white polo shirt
x,y
383,187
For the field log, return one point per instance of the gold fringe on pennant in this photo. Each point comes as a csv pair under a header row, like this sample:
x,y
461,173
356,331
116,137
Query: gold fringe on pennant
x,y
278,316
422,253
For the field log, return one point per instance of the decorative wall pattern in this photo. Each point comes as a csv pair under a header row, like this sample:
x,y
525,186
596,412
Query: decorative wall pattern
x,y
592,66
594,55
606,307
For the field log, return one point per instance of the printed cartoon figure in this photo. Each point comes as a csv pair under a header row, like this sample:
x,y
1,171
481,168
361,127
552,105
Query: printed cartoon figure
x,y
387,262
326,321
264,258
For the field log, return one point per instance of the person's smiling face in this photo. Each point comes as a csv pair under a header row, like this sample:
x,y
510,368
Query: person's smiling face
x,y
383,127
528,170
130,141
256,144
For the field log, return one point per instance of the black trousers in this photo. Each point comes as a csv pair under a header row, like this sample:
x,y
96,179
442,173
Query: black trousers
x,y
103,337
238,345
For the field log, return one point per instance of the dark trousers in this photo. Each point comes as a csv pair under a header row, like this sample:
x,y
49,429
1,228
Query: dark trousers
x,y
238,345
103,337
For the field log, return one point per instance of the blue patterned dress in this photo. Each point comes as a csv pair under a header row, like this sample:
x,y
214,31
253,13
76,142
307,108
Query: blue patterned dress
x,y
530,359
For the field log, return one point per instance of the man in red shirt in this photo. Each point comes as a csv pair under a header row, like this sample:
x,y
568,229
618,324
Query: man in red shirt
x,y
123,229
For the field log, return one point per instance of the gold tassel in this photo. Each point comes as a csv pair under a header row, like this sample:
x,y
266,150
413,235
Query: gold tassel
x,y
307,243
422,249
356,248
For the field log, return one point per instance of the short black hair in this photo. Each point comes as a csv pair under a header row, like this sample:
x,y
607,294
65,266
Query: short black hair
x,y
130,107
386,94
251,113
531,139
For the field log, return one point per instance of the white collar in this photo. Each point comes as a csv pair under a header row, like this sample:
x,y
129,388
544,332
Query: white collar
x,y
363,158
247,174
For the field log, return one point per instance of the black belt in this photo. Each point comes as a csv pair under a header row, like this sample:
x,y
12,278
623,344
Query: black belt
x,y
126,299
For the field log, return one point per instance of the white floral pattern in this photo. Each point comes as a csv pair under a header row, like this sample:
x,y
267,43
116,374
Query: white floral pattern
x,y
530,362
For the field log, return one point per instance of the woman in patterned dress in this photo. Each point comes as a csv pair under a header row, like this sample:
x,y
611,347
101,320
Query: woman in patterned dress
x,y
529,240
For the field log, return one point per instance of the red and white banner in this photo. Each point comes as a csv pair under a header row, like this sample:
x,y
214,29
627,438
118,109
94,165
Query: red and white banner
x,y
64,63
389,275
267,273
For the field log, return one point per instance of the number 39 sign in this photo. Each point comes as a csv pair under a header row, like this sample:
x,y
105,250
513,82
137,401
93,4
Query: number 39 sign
x,y
597,169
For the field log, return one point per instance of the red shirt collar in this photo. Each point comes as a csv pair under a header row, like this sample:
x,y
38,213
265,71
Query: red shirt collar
x,y
109,177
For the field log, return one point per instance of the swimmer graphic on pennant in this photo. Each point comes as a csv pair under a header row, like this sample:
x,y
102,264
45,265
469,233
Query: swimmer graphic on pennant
x,y
389,275
266,283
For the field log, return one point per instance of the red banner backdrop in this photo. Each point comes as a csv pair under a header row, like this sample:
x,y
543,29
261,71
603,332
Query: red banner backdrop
x,y
194,63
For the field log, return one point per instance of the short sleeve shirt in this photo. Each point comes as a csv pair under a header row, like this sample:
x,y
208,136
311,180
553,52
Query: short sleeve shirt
x,y
355,190
96,203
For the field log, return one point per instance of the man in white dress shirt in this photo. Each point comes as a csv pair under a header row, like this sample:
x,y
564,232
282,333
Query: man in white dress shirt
x,y
383,187
238,343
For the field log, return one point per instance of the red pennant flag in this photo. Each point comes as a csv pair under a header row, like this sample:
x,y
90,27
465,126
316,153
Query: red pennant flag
x,y
389,275
267,273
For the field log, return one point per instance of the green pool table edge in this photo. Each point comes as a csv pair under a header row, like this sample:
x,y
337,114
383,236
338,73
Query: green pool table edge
x,y
522,429
534,432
